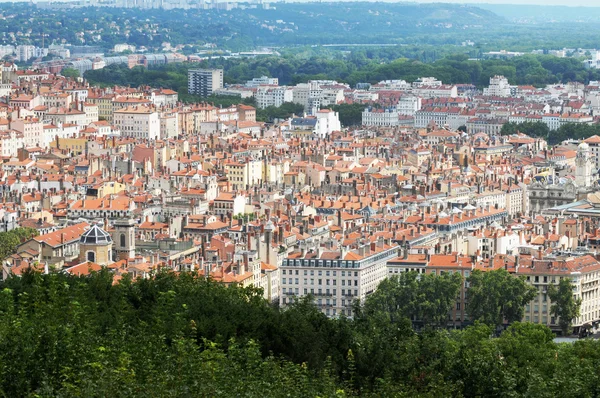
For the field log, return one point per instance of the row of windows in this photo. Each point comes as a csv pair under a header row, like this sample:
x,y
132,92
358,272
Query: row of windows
x,y
319,292
321,263
319,272
328,282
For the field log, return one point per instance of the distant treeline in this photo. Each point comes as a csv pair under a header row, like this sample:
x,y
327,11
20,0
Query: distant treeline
x,y
575,131
537,70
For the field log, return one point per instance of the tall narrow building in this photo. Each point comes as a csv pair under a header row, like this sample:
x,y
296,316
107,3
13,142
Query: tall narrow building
x,y
584,166
204,82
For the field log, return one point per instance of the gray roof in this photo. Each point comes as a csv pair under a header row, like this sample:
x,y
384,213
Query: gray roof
x,y
95,236
304,121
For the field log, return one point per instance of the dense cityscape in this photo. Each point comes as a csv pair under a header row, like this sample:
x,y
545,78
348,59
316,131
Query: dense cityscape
x,y
188,215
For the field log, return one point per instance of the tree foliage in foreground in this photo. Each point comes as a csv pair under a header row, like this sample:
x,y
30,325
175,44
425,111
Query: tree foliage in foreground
x,y
564,305
426,298
496,296
180,335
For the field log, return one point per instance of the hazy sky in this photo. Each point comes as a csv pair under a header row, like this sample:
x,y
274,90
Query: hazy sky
x,y
588,3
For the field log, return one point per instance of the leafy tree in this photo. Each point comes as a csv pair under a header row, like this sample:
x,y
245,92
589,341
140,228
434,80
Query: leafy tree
x,y
70,73
564,305
11,239
427,298
497,296
533,129
286,110
349,114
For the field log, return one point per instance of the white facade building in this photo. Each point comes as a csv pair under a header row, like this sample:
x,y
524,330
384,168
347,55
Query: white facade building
x,y
262,81
408,106
380,117
498,87
328,121
273,96
335,279
138,121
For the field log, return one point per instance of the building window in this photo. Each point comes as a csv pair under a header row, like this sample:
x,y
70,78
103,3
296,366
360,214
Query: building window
x,y
91,256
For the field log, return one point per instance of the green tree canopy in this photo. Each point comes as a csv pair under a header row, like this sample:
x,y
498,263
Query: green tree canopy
x,y
497,296
349,114
564,304
426,298
532,129
11,239
70,72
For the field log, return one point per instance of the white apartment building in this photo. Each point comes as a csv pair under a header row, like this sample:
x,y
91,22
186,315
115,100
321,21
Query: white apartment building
x,y
332,96
304,92
427,82
273,96
262,81
490,198
335,278
498,87
169,125
138,121
51,132
443,91
91,113
428,115
204,82
391,85
516,198
10,142
69,116
32,130
380,117
6,50
552,120
408,105
328,121
576,118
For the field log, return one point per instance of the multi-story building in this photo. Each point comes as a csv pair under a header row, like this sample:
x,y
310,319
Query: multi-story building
x,y
69,116
441,91
498,87
408,105
594,146
10,142
262,81
380,117
229,204
335,278
244,173
32,130
437,115
584,274
204,82
273,96
139,122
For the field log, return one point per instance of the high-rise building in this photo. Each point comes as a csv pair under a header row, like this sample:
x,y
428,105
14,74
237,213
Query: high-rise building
x,y
204,82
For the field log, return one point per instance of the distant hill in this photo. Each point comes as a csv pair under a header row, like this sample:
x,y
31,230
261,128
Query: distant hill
x,y
382,14
354,22
540,14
